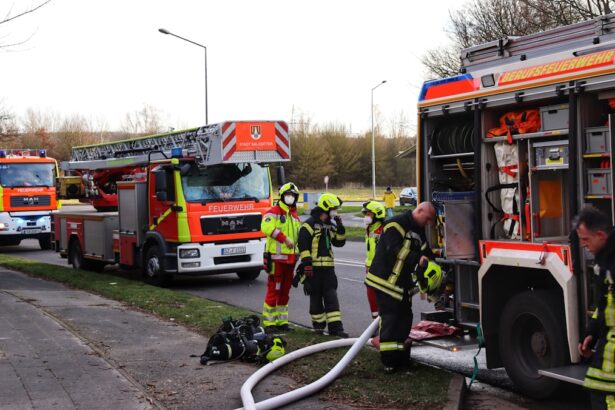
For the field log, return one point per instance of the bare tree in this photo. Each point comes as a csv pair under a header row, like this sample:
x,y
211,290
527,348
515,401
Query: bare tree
x,y
11,15
481,21
143,122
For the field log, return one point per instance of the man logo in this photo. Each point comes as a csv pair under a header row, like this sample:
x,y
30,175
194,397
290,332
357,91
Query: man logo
x,y
255,131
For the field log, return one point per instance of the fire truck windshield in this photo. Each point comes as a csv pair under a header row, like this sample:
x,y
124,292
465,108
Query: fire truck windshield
x,y
26,174
226,182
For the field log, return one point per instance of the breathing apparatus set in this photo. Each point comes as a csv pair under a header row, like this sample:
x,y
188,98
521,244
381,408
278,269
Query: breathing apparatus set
x,y
242,339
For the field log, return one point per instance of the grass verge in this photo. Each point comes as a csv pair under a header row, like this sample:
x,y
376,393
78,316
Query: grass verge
x,y
363,383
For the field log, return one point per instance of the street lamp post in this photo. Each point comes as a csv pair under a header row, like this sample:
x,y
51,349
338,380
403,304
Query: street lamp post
x,y
164,31
374,144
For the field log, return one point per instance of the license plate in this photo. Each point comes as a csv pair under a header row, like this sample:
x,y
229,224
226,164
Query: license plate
x,y
233,251
29,231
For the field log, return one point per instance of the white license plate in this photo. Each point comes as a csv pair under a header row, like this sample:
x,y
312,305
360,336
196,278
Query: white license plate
x,y
29,231
233,251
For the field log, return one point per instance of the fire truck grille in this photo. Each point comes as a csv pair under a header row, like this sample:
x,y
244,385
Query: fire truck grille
x,y
231,224
25,201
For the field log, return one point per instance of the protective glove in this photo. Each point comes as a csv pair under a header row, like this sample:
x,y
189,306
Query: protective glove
x,y
338,220
307,285
267,263
298,275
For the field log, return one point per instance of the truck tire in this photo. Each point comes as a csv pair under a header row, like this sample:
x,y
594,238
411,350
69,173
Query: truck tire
x,y
45,242
153,268
532,336
249,274
75,255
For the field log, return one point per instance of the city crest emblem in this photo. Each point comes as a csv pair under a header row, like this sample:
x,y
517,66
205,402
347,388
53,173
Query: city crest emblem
x,y
255,131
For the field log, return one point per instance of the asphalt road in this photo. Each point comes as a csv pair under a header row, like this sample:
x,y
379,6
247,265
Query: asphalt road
x,y
355,310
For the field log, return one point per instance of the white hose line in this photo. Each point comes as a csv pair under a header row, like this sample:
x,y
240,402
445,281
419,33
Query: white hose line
x,y
294,395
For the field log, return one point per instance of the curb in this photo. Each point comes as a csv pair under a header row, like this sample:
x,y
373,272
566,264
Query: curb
x,y
456,393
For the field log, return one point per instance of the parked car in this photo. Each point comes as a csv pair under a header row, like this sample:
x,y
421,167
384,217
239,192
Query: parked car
x,y
408,196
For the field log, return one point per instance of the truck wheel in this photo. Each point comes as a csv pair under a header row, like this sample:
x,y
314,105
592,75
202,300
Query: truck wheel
x,y
153,268
45,242
533,336
75,255
249,274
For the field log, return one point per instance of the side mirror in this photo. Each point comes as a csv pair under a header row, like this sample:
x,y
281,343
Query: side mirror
x,y
281,176
161,196
161,181
185,169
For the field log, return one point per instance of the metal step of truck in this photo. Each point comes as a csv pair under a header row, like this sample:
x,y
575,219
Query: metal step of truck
x,y
574,374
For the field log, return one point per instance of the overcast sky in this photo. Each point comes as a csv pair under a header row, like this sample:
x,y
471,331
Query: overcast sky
x,y
266,59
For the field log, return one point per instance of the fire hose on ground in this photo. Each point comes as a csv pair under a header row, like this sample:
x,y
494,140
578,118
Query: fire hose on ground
x,y
294,395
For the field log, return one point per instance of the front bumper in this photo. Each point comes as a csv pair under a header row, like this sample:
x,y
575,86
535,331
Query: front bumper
x,y
217,258
25,224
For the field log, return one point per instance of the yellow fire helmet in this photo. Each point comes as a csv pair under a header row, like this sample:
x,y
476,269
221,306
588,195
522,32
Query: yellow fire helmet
x,y
290,188
328,201
433,274
277,350
374,207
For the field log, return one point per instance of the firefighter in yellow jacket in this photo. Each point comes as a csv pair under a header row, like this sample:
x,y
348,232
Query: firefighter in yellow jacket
x,y
281,226
373,218
322,230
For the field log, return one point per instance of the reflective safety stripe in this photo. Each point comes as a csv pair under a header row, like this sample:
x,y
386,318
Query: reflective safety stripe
x,y
308,227
340,237
599,385
595,315
395,225
599,374
335,316
305,254
319,318
269,315
324,262
282,318
275,233
608,356
160,219
386,287
183,229
610,402
399,263
391,346
609,312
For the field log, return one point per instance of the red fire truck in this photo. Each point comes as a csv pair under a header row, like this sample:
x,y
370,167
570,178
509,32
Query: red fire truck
x,y
188,202
27,196
517,143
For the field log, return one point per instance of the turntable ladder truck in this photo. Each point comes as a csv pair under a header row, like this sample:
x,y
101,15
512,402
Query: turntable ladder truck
x,y
188,202
518,143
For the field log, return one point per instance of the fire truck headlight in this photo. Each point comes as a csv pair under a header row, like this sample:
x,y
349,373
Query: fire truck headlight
x,y
189,253
3,226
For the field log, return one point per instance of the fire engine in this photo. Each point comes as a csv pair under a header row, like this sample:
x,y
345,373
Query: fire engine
x,y
510,150
27,196
188,202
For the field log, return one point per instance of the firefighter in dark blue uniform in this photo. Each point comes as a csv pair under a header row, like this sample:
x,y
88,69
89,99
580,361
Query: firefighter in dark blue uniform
x,y
402,261
597,236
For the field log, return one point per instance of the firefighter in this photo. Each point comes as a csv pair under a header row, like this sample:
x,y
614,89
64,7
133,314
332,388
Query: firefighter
x,y
281,226
597,236
389,198
401,262
322,230
374,214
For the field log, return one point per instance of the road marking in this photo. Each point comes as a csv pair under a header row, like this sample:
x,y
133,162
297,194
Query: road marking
x,y
352,280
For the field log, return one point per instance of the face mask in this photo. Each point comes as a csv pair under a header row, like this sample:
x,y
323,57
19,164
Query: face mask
x,y
289,200
333,213
367,220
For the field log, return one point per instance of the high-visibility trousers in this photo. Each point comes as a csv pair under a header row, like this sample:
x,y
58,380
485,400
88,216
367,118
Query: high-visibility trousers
x,y
275,308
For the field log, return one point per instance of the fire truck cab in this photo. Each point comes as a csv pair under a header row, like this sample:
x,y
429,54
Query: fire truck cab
x,y
27,196
518,143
